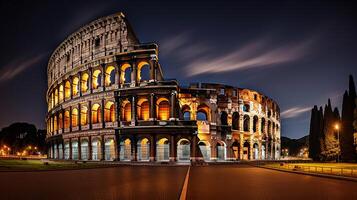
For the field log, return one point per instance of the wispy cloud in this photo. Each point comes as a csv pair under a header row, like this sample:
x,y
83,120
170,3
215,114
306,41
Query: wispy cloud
x,y
15,68
294,112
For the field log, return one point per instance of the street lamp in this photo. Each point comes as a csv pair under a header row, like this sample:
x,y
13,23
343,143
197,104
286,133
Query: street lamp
x,y
337,128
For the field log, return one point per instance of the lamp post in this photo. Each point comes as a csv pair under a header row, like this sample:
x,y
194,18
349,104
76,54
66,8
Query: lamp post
x,y
337,127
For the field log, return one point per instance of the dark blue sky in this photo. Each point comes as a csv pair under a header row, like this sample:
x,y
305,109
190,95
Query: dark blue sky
x,y
298,53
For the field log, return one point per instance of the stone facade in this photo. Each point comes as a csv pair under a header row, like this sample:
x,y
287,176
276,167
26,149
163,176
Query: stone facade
x,y
108,100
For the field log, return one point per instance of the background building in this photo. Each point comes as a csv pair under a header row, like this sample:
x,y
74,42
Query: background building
x,y
108,100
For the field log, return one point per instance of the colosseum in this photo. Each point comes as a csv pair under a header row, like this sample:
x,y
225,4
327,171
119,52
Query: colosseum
x,y
108,100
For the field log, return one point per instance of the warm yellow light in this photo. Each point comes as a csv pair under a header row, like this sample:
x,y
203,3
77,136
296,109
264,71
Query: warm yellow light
x,y
337,126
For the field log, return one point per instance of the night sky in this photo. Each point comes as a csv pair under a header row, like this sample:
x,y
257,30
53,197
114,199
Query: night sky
x,y
299,54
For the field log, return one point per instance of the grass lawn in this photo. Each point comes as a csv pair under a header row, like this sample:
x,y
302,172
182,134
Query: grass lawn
x,y
332,165
10,165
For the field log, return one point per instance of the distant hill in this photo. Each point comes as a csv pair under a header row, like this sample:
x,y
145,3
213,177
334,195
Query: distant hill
x,y
294,145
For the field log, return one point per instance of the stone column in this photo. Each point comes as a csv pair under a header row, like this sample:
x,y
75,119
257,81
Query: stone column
x,y
80,84
90,114
70,119
153,68
70,149
153,148
102,81
134,148
90,80
79,149
90,148
57,149
241,145
172,148
134,74
102,145
118,109
102,113
79,117
251,146
133,110
117,145
152,114
193,148
173,105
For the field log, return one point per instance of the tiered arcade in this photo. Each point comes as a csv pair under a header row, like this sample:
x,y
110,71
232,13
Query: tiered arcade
x,y
108,100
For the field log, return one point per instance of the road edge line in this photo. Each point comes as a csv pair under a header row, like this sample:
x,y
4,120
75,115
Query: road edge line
x,y
185,185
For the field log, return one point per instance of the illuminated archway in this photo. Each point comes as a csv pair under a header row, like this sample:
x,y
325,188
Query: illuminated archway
x,y
66,119
56,96
109,112
110,76
221,151
60,121
126,111
84,82
74,117
205,149
84,149
67,90
163,150
203,113
143,109
75,86
109,149
143,71
186,112
255,123
246,123
96,79
55,123
96,149
235,121
125,76
143,150
60,95
183,150
125,150
84,115
163,109
96,114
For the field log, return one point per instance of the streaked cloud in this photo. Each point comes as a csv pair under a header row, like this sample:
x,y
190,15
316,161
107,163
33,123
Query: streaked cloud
x,y
294,112
15,68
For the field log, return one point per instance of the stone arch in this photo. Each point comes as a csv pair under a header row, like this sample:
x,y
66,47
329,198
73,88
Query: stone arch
x,y
255,151
60,94
205,149
67,90
109,149
163,150
125,75
125,150
96,149
75,86
246,150
56,96
109,112
96,79
143,109
246,123
84,115
236,148
262,126
84,149
255,124
183,150
235,121
143,71
224,118
96,113
85,82
74,117
221,150
110,76
163,109
66,119
203,113
143,146
126,111
60,121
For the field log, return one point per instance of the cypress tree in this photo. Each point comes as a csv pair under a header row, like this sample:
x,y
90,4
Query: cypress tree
x,y
313,136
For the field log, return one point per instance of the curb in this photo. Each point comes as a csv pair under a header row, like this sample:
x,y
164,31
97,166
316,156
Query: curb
x,y
312,174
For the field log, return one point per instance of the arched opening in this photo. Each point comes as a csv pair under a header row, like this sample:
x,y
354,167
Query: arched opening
x,y
143,71
84,115
224,118
262,125
60,151
109,149
109,76
163,109
202,113
269,128
221,151
125,73
109,112
60,121
186,112
55,124
96,149
60,94
96,79
143,109
246,150
205,149
84,149
66,150
96,114
163,150
263,151
143,150
84,82
246,123
183,150
246,108
125,150
74,150
235,121
74,117
52,100
126,111
55,155
67,90
235,148
56,96
66,119
255,124
255,151
75,86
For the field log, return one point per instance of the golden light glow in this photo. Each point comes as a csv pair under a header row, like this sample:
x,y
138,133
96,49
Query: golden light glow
x,y
140,66
60,93
74,117
337,127
75,86
67,89
95,79
96,114
108,75
56,97
163,141
143,109
55,123
66,119
84,82
109,112
84,115
123,71
144,141
163,109
60,121
126,111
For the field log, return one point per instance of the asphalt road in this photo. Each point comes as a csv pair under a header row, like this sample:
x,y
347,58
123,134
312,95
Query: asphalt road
x,y
149,182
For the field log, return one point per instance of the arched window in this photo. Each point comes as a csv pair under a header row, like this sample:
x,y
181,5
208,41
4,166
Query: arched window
x,y
163,107
96,79
246,108
186,112
143,71
74,117
262,126
60,93
52,100
109,76
66,119
235,121
60,121
109,112
126,111
202,113
56,97
84,82
269,128
55,124
125,73
67,90
246,123
75,86
96,114
84,115
143,109
224,118
255,124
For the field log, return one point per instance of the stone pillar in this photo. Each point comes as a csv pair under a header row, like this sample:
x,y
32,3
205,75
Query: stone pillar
x,y
70,119
79,149
90,80
80,84
57,150
172,148
173,105
62,121
117,145
152,115
90,148
133,110
251,145
153,68
134,148
133,74
241,145
102,145
193,148
260,150
79,117
153,148
70,149
118,109
90,114
117,75
241,122
102,113
102,81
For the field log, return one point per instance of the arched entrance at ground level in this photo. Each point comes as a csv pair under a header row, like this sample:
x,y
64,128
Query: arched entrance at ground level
x,y
246,151
66,150
235,148
125,150
144,150
205,149
109,149
55,151
183,150
263,151
60,151
84,150
221,151
75,150
96,149
255,151
163,150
